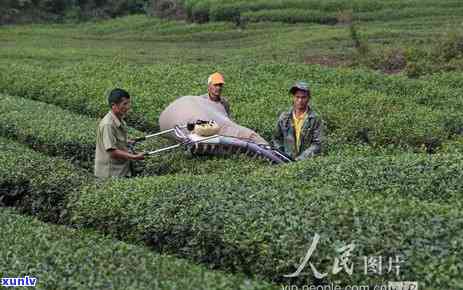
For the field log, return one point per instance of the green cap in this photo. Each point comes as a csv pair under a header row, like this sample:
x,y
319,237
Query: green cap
x,y
299,85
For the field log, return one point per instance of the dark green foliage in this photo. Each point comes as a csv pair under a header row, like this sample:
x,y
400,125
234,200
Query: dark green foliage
x,y
58,132
49,129
264,222
377,109
291,15
64,258
26,11
35,183
233,213
443,52
180,162
171,9
323,12
202,11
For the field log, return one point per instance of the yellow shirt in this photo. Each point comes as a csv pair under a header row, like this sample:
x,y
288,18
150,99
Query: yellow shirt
x,y
297,123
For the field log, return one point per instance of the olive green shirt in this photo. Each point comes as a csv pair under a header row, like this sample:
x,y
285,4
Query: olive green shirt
x,y
111,134
284,138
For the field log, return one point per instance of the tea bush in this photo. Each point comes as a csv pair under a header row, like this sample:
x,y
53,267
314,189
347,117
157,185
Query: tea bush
x,y
64,258
58,132
263,223
377,109
27,11
35,183
231,213
292,15
49,129
325,11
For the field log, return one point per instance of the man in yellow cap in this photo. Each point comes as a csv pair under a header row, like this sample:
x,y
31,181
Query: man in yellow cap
x,y
215,84
298,132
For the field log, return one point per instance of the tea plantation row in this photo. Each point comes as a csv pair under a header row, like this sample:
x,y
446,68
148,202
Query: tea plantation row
x,y
232,214
315,11
296,15
36,183
58,132
378,110
262,223
147,40
64,258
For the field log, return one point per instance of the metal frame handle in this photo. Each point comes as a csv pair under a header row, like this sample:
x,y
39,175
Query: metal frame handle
x,y
175,129
185,143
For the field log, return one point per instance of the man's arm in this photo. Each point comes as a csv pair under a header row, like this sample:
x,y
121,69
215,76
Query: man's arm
x,y
316,143
124,155
277,138
110,145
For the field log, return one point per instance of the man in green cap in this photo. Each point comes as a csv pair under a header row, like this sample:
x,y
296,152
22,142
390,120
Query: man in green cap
x,y
112,158
298,132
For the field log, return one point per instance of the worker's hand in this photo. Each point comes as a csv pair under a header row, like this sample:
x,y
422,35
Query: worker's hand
x,y
139,156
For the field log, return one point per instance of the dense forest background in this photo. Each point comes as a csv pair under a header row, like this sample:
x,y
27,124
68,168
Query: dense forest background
x,y
27,11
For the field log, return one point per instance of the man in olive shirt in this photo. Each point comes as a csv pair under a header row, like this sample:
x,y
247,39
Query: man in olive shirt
x,y
112,158
298,132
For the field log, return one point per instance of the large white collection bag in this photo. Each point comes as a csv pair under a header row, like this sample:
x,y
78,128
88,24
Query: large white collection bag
x,y
189,109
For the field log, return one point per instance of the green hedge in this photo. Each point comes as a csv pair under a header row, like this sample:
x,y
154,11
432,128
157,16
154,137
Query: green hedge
x,y
293,10
64,258
377,109
297,15
17,11
292,15
49,129
36,183
454,146
58,132
179,162
263,223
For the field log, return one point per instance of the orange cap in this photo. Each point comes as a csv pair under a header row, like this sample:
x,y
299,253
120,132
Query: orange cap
x,y
215,78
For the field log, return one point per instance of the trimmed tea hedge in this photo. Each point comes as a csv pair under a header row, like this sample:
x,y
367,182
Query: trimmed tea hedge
x,y
64,258
376,109
264,223
291,15
36,183
296,15
58,132
49,129
455,146
289,10
179,162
